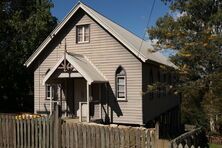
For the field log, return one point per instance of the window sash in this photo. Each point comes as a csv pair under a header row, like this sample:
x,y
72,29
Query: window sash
x,y
49,92
121,88
82,33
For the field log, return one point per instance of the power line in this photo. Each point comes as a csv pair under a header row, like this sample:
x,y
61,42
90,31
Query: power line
x,y
147,24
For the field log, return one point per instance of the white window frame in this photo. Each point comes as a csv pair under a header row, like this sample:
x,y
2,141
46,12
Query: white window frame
x,y
82,30
50,91
117,88
121,74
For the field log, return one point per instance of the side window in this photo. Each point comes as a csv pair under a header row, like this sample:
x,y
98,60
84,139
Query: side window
x,y
49,91
120,84
82,34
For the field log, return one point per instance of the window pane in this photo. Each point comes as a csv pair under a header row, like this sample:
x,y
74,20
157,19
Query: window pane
x,y
121,88
86,38
48,94
79,33
48,91
121,81
86,33
53,89
121,95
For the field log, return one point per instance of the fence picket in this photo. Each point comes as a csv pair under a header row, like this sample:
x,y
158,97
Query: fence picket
x,y
79,134
40,133
102,131
36,133
84,139
107,137
138,138
121,134
116,137
127,138
93,137
132,138
88,136
14,132
24,134
71,137
7,131
111,137
75,135
63,134
67,135
1,131
51,132
28,133
43,132
143,144
148,139
17,133
32,134
97,132
10,132
47,133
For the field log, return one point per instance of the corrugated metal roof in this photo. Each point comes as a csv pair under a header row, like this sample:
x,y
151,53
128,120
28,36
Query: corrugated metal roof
x,y
82,65
140,48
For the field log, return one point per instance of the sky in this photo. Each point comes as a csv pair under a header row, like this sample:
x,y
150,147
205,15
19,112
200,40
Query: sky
x,y
131,14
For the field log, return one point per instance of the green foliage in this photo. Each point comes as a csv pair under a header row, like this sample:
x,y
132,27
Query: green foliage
x,y
23,26
193,28
215,145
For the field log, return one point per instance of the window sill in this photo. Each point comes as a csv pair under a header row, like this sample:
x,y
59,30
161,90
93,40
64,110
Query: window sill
x,y
121,100
85,42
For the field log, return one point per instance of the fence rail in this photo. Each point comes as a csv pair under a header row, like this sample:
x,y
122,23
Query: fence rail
x,y
53,133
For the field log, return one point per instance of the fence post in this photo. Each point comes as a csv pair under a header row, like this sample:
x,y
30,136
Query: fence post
x,y
57,127
156,134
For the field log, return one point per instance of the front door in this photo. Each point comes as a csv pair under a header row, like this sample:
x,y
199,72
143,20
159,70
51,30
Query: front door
x,y
70,97
80,96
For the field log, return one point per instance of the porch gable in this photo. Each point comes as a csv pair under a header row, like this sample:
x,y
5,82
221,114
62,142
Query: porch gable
x,y
81,67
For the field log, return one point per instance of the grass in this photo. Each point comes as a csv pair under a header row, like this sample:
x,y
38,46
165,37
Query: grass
x,y
215,145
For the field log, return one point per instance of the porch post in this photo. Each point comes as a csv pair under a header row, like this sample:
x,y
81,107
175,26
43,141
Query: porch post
x,y
50,101
88,99
50,105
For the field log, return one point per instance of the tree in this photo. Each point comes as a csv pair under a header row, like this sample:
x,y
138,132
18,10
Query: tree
x,y
23,26
193,29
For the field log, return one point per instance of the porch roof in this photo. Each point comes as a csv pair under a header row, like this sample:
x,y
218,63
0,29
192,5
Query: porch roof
x,y
82,65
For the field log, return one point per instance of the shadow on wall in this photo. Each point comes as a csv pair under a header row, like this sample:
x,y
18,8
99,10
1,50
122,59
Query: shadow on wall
x,y
113,104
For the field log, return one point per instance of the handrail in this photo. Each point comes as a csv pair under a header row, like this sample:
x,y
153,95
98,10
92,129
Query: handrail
x,y
196,137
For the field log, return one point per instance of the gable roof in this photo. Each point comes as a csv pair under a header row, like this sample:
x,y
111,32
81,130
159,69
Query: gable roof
x,y
140,48
82,65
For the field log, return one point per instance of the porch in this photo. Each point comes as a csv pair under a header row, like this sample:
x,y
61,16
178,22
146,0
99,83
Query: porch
x,y
77,87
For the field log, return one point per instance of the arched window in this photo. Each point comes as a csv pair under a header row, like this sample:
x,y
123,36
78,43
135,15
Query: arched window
x,y
120,83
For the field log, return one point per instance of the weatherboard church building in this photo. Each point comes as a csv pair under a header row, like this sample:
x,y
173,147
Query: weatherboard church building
x,y
97,71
